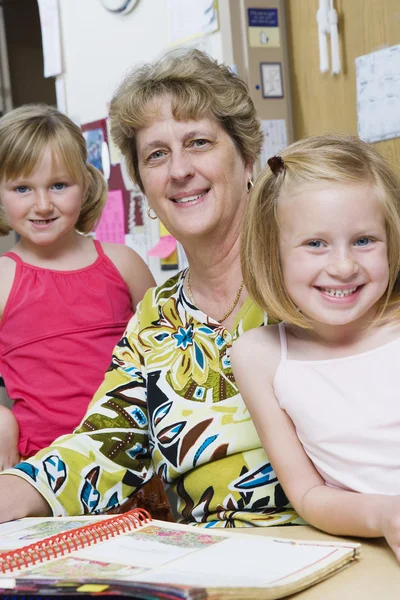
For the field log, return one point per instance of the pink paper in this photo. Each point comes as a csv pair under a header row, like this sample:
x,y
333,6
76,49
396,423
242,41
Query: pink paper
x,y
164,248
111,227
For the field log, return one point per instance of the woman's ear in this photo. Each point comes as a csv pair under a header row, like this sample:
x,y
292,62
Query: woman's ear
x,y
249,167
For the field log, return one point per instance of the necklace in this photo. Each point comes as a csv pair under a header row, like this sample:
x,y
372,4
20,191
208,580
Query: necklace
x,y
231,308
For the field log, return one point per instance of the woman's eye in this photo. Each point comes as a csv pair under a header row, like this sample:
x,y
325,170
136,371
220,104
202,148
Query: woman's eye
x,y
315,244
156,155
364,241
59,186
199,143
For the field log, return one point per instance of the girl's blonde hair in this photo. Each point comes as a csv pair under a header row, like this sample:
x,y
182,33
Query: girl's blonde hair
x,y
331,158
26,132
198,87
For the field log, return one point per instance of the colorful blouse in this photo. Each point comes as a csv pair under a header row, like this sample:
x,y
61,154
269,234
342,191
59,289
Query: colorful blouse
x,y
169,404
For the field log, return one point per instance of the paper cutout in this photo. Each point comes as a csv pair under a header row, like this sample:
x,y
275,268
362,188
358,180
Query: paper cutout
x,y
111,227
164,248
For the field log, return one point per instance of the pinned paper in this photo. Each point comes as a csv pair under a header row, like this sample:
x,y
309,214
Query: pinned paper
x,y
165,247
111,227
51,37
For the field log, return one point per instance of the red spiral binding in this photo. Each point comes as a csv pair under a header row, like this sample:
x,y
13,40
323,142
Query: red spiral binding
x,y
74,539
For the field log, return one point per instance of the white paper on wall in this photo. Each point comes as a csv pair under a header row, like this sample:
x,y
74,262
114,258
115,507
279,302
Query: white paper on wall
x,y
51,38
275,138
378,94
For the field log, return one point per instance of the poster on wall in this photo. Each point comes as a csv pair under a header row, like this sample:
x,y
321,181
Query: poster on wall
x,y
378,94
263,28
94,142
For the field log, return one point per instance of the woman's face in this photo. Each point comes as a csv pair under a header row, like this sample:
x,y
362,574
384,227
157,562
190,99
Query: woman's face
x,y
193,176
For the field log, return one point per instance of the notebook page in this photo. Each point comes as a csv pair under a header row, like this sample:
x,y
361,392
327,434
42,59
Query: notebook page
x,y
254,562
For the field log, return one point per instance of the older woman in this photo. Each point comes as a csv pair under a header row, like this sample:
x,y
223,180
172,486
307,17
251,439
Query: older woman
x,y
169,403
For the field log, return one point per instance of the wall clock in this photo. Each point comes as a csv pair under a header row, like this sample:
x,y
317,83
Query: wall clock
x,y
120,7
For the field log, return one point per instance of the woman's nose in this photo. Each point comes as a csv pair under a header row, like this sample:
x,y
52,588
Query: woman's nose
x,y
181,166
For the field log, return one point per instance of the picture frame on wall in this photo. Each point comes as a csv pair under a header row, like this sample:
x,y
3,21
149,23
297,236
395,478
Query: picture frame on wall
x,y
271,80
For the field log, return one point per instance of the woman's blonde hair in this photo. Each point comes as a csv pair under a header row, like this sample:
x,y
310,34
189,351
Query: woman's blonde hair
x,y
335,159
26,132
198,87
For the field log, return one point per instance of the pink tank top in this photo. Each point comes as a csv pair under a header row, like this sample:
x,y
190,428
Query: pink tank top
x,y
347,415
56,340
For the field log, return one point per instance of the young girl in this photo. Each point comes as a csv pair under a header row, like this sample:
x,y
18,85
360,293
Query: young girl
x,y
321,253
64,299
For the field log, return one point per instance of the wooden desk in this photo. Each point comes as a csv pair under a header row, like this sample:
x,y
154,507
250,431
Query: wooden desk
x,y
375,576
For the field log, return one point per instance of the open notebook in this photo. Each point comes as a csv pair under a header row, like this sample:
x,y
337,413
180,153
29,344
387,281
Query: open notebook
x,y
132,555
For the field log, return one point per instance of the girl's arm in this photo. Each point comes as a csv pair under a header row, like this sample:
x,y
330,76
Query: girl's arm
x,y
254,362
9,438
133,269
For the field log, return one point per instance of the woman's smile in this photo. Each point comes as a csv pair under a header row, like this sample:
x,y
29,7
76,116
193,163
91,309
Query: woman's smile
x,y
192,197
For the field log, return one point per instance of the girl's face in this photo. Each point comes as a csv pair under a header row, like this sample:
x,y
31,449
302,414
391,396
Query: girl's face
x,y
333,251
44,206
192,174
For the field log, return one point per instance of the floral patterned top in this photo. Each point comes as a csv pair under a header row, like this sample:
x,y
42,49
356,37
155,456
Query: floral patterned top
x,y
169,404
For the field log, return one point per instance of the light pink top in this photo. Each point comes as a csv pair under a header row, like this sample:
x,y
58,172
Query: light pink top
x,y
347,415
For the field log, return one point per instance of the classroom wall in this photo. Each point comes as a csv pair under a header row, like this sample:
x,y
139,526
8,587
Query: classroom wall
x,y
323,102
99,48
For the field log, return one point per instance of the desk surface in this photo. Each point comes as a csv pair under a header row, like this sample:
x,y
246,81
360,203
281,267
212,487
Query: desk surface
x,y
375,576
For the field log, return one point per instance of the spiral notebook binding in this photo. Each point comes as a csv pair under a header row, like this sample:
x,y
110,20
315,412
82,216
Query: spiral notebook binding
x,y
74,539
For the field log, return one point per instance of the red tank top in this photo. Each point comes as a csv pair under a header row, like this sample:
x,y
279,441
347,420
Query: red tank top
x,y
56,340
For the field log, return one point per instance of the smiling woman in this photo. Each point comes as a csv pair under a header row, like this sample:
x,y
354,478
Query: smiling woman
x,y
169,403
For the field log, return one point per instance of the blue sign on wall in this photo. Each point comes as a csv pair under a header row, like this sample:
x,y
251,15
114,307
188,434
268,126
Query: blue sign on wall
x,y
263,17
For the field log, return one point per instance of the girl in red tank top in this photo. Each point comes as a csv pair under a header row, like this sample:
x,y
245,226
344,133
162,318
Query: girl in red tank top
x,y
64,299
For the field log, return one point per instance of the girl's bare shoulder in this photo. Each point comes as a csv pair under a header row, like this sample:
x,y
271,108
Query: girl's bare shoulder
x,y
266,335
259,346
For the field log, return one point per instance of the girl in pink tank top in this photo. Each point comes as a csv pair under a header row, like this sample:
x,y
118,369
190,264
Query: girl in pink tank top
x,y
321,254
64,299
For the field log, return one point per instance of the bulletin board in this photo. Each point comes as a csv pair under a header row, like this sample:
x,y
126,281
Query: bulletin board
x,y
97,129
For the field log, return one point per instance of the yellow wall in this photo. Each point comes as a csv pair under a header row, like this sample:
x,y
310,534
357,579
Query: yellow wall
x,y
324,102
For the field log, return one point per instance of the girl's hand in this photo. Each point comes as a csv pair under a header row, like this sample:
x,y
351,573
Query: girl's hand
x,y
390,523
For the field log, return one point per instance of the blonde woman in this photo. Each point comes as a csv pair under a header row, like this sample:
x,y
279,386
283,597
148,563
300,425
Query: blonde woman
x,y
169,403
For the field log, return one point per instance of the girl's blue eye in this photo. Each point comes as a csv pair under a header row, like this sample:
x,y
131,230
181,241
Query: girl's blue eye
x,y
21,189
364,241
315,244
59,186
